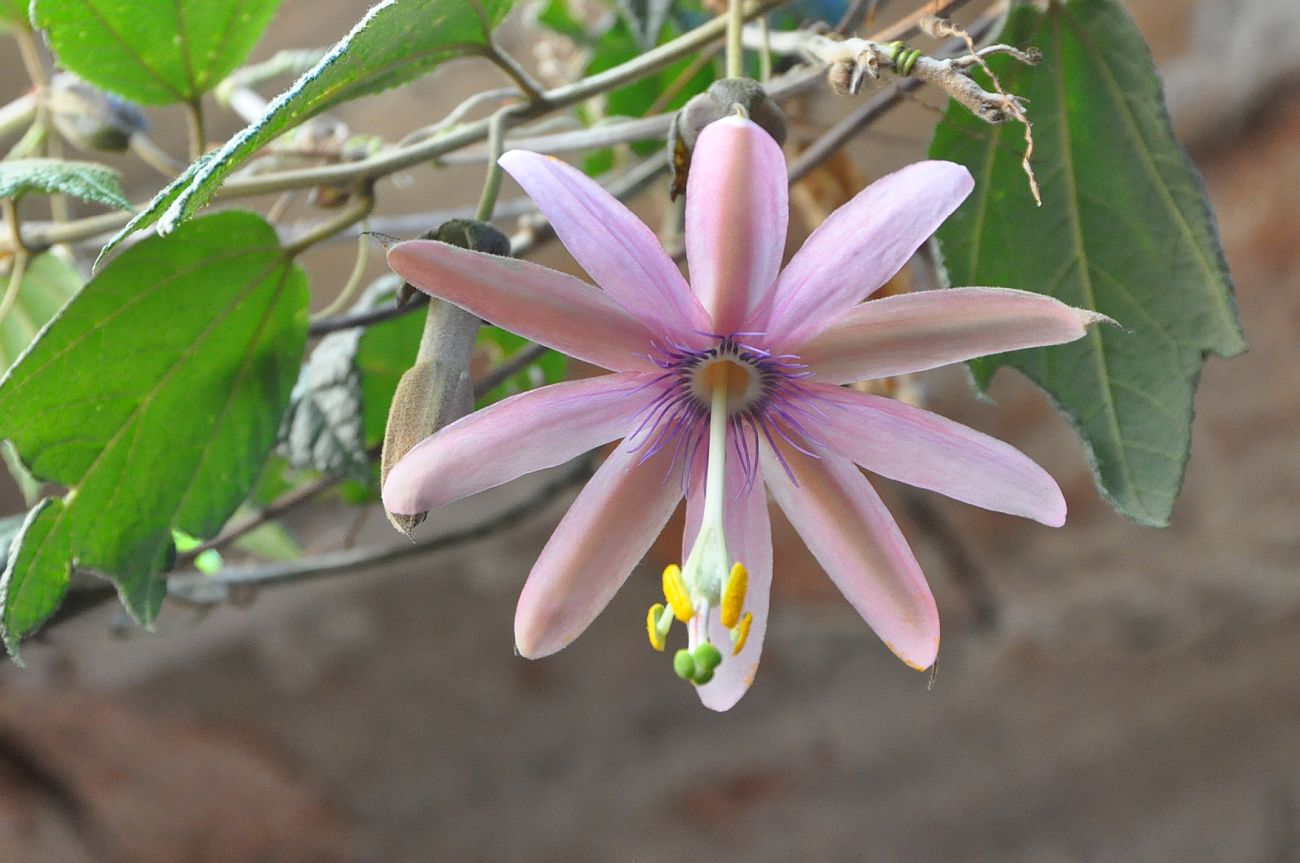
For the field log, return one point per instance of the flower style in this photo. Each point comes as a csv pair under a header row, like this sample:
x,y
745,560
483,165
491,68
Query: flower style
x,y
725,389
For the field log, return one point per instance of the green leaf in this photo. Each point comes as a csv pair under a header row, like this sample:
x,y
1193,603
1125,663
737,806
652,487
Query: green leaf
x,y
1125,229
157,53
86,180
48,283
154,397
395,43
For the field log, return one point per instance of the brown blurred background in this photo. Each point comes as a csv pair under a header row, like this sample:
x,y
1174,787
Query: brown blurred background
x,y
1108,692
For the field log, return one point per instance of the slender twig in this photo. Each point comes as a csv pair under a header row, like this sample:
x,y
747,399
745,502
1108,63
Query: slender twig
x,y
355,278
459,113
280,506
202,589
18,114
848,128
31,57
516,363
735,46
532,91
487,201
196,129
360,207
680,83
39,135
19,269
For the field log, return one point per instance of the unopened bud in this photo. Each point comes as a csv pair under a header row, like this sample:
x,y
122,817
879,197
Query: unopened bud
x,y
430,394
436,390
720,100
467,234
91,119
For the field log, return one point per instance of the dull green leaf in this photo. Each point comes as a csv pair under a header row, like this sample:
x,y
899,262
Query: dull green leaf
x,y
86,180
1125,229
154,397
158,53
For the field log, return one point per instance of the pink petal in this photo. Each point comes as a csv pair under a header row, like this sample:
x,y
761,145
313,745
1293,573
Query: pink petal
x,y
854,538
915,332
548,307
736,215
749,541
598,542
528,432
924,449
861,246
616,248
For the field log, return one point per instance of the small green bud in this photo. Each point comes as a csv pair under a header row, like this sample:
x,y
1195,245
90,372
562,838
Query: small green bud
x,y
684,664
703,676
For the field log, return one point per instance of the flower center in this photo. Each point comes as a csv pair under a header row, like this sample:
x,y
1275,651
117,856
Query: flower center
x,y
732,398
742,381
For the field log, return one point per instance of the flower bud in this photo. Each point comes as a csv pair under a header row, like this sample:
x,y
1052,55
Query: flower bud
x,y
91,119
467,234
721,99
436,390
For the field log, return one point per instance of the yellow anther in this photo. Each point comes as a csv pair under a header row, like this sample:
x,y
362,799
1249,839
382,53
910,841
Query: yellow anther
x,y
733,595
741,633
657,640
676,594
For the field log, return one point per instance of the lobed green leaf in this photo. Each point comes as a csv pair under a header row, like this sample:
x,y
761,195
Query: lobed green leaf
x,y
154,396
1125,229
